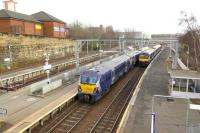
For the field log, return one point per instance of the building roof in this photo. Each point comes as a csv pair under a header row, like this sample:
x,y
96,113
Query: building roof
x,y
184,74
43,16
15,15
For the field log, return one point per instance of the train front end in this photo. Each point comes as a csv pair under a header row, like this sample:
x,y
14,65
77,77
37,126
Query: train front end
x,y
144,59
88,87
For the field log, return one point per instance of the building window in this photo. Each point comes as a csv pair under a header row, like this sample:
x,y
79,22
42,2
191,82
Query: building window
x,y
38,26
16,29
56,29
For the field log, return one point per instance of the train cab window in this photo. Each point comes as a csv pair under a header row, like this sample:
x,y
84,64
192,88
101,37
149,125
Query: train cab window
x,y
88,79
144,56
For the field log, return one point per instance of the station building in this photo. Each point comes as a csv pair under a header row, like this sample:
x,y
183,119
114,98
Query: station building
x,y
52,26
38,24
18,23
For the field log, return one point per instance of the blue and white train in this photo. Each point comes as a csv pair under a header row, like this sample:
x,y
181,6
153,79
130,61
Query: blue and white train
x,y
95,82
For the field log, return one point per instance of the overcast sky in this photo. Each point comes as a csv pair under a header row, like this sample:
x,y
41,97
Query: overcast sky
x,y
150,16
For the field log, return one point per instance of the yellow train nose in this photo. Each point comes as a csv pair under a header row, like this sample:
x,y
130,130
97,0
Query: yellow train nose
x,y
87,88
143,60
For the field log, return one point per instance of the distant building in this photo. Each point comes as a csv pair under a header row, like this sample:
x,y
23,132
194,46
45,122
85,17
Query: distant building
x,y
18,23
109,29
132,35
9,5
137,35
165,36
39,24
52,26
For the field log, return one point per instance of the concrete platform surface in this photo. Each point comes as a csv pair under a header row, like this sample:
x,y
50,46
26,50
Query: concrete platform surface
x,y
20,104
172,116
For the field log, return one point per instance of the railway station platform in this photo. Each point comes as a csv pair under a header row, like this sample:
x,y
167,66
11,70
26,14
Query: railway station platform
x,y
171,117
24,109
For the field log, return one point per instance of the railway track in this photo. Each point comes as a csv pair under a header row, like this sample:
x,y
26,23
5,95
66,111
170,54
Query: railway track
x,y
109,118
102,116
68,119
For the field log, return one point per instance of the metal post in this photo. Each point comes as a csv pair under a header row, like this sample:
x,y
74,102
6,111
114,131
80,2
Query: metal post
x,y
176,55
87,46
170,50
187,115
120,44
142,42
48,68
153,115
10,54
92,45
77,48
187,85
123,43
172,84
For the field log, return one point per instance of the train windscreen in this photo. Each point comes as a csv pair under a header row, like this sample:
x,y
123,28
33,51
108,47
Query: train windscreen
x,y
144,56
88,79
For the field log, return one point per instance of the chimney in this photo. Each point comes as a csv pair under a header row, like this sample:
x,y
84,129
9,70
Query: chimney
x,y
9,5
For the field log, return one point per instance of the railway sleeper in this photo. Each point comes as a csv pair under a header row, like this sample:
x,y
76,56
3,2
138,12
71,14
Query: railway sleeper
x,y
60,129
68,124
75,118
70,121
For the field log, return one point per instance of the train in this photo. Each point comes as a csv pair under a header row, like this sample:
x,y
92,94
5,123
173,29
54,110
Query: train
x,y
94,83
147,55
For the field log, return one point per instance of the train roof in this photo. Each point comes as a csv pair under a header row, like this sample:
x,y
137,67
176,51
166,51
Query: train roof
x,y
144,48
111,64
108,65
148,51
157,46
117,61
134,53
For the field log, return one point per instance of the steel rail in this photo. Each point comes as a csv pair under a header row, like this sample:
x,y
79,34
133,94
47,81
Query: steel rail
x,y
113,101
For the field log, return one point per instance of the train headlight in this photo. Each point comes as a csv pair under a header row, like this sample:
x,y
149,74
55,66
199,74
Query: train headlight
x,y
96,90
79,88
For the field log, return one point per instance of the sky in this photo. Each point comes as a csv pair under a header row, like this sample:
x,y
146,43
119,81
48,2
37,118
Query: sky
x,y
149,16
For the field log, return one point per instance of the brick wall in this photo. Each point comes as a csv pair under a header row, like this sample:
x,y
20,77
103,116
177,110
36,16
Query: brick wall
x,y
48,28
5,26
53,29
17,26
29,28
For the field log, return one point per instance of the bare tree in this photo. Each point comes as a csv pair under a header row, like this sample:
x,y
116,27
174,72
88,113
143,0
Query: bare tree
x,y
194,30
